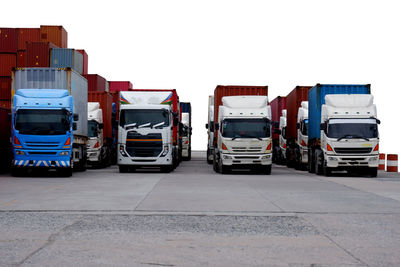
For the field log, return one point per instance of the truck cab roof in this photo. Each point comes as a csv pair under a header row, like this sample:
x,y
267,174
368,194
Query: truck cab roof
x,y
43,98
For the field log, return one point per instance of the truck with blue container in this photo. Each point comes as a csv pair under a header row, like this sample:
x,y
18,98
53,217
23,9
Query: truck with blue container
x,y
49,120
343,130
186,130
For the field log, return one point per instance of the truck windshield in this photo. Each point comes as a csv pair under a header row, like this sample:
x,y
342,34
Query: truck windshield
x,y
159,117
352,128
42,121
246,128
93,127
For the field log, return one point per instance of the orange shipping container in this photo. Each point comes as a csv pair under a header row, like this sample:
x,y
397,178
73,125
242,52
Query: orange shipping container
x,y
54,34
27,35
7,62
105,99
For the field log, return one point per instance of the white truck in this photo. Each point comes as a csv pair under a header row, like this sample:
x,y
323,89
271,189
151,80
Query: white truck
x,y
210,130
147,131
301,150
244,134
96,150
347,136
282,138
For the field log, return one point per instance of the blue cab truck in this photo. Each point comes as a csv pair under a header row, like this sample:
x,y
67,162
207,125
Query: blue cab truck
x,y
342,130
49,120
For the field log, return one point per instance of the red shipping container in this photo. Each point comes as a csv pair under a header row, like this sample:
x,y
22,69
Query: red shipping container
x,y
85,60
5,88
277,105
293,102
7,62
38,54
96,82
8,40
27,35
54,34
118,86
5,103
105,99
21,59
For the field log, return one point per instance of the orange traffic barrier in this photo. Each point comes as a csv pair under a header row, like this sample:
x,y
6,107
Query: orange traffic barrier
x,y
382,157
392,162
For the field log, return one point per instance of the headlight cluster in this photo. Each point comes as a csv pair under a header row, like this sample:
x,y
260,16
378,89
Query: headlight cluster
x,y
333,158
122,151
374,159
19,152
64,153
165,151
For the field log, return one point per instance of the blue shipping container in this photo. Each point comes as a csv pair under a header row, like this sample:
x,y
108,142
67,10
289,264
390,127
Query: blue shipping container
x,y
66,58
316,98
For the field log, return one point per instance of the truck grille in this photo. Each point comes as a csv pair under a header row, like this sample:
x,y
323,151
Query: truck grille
x,y
149,145
247,149
42,144
353,150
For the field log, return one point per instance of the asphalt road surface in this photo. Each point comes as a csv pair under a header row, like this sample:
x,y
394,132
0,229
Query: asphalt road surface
x,y
195,217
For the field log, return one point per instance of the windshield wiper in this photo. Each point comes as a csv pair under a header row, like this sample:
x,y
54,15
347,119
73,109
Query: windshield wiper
x,y
158,124
144,125
253,136
352,137
132,125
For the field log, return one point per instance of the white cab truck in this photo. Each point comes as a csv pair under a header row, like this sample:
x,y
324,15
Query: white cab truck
x,y
301,149
210,130
96,150
244,134
282,138
145,131
349,138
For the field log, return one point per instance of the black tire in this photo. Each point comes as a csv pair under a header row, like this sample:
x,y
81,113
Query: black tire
x,y
209,161
189,154
65,172
215,163
123,168
267,169
327,171
318,167
311,167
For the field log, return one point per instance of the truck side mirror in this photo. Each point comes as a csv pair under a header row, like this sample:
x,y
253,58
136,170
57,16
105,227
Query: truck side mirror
x,y
74,126
217,126
297,125
190,130
76,117
101,126
206,125
322,127
277,131
378,121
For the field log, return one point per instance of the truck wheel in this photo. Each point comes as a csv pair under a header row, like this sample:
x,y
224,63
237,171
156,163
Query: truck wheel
x,y
311,167
123,169
189,155
267,169
327,171
215,163
65,172
373,172
209,161
318,165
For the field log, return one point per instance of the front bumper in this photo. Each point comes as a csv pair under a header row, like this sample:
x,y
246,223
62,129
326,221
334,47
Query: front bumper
x,y
146,161
185,152
347,161
246,159
94,155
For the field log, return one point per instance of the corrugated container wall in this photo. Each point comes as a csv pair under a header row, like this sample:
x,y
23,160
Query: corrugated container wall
x,y
277,105
21,59
293,102
7,62
8,40
96,82
316,98
105,99
51,78
66,58
118,86
85,61
27,35
5,103
232,90
38,54
5,88
54,34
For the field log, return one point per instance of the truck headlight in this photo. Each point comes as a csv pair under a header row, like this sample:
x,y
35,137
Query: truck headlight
x,y
374,159
122,151
19,152
333,158
266,157
226,157
165,151
64,153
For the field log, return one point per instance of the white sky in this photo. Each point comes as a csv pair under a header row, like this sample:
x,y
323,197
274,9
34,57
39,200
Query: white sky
x,y
194,45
